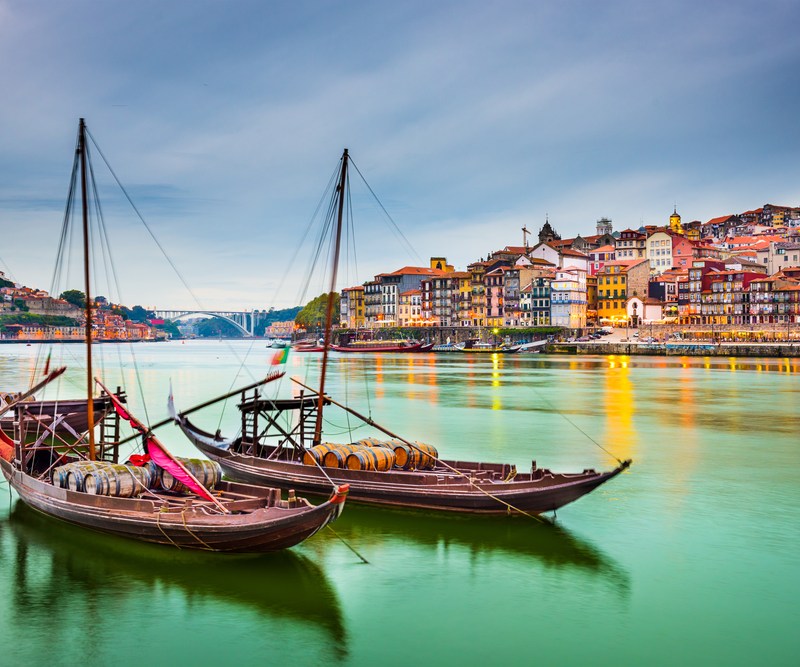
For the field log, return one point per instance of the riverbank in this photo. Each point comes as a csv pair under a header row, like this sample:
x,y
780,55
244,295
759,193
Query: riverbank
x,y
693,349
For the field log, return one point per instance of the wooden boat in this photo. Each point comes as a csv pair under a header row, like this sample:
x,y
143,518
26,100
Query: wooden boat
x,y
307,345
268,452
231,517
255,520
488,348
383,346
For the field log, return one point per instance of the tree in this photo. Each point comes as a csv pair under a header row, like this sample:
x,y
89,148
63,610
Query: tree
x,y
75,297
139,314
313,314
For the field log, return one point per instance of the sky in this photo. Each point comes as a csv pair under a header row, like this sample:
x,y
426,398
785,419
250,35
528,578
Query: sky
x,y
224,120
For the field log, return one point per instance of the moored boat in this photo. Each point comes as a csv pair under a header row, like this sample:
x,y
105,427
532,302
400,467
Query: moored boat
x,y
269,452
165,503
384,346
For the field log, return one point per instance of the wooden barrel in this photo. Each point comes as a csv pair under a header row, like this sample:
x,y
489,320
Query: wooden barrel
x,y
337,457
419,457
153,473
77,473
318,453
406,457
121,481
97,482
208,473
59,476
371,458
369,442
427,456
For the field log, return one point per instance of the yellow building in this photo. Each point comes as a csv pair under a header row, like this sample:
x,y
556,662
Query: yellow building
x,y
591,298
409,310
675,222
477,314
351,307
440,264
616,282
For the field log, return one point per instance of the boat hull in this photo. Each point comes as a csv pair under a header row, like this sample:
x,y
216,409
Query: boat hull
x,y
416,347
440,489
268,528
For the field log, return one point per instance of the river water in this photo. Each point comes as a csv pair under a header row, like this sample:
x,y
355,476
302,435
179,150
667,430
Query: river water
x,y
690,557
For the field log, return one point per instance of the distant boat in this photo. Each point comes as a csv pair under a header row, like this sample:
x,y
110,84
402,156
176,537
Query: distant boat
x,y
489,348
383,346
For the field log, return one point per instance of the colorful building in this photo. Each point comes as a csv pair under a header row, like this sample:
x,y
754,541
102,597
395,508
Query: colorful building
x,y
616,283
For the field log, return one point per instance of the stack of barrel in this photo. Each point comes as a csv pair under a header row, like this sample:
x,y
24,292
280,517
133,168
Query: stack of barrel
x,y
373,454
127,481
103,479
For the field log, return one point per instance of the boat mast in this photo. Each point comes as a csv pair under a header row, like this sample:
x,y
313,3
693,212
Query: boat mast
x,y
340,189
86,283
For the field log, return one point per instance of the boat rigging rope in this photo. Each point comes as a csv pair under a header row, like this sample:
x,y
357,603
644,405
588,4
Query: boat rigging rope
x,y
394,226
572,423
158,525
183,517
347,544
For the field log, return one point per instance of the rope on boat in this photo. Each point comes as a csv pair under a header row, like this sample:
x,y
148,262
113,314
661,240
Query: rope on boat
x,y
348,545
158,525
472,482
188,530
572,423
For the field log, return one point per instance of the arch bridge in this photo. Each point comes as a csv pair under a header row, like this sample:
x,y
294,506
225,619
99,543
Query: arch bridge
x,y
244,320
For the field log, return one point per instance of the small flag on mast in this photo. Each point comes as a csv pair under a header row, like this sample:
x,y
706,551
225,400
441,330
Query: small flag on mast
x,y
280,357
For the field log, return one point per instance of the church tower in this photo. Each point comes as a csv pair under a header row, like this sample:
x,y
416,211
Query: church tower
x,y
547,234
675,222
604,227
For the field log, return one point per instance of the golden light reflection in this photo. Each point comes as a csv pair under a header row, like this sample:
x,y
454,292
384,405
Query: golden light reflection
x,y
379,390
619,403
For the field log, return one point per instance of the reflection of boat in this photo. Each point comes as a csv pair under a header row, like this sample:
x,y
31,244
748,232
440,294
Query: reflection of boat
x,y
548,543
85,565
275,448
122,500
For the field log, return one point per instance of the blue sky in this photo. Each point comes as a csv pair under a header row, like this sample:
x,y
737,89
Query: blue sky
x,y
469,119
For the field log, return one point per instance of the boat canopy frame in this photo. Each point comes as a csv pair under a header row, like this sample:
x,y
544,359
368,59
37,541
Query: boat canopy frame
x,y
261,422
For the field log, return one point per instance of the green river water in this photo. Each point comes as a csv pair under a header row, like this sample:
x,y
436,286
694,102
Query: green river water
x,y
692,557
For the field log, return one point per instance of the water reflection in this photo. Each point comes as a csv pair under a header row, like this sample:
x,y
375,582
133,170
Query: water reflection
x,y
548,544
619,401
54,567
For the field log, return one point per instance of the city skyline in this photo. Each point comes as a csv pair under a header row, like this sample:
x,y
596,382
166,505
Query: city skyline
x,y
225,120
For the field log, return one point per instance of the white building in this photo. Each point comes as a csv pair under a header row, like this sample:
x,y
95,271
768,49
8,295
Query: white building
x,y
568,299
659,251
